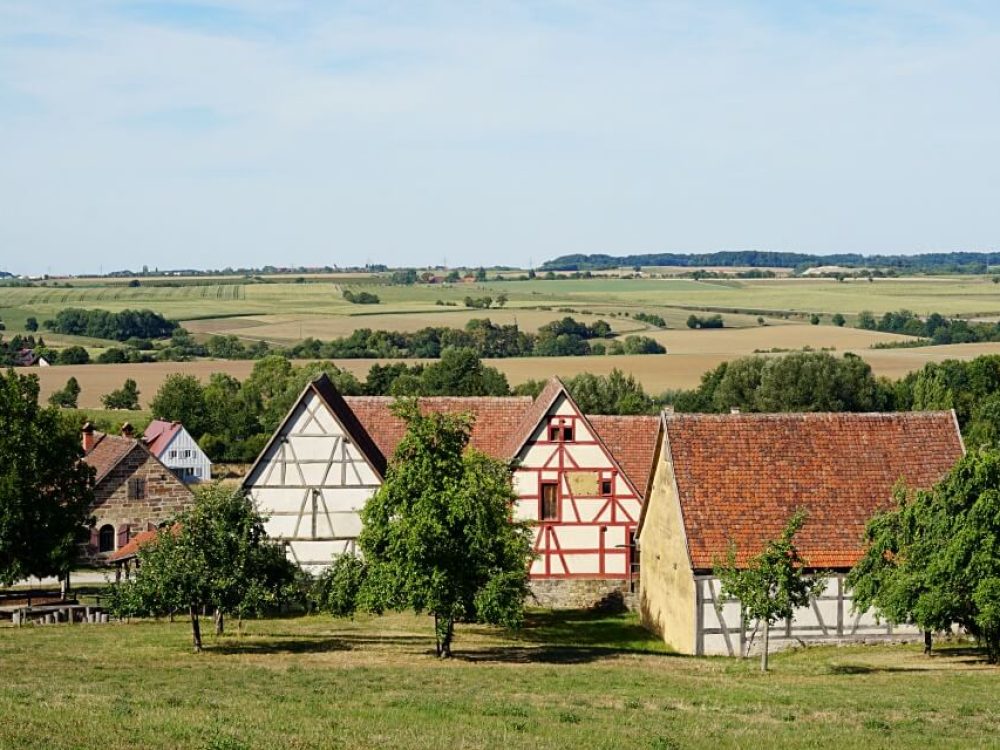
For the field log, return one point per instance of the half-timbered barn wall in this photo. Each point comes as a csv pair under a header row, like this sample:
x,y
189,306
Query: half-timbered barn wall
x,y
583,508
312,480
829,617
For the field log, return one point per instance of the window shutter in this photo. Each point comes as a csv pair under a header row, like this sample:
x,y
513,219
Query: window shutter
x,y
95,539
122,535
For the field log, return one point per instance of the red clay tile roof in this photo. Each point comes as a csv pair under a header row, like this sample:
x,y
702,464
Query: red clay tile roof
x,y
132,548
108,452
632,442
158,435
741,476
496,417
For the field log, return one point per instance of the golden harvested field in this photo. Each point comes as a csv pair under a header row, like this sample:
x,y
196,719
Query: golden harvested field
x,y
734,341
290,328
656,372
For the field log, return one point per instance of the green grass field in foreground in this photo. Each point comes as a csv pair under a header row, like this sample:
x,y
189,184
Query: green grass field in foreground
x,y
569,680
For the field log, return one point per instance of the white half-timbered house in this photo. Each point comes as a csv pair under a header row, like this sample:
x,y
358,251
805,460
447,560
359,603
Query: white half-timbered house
x,y
314,476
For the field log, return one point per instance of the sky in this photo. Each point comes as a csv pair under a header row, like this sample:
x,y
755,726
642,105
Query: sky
x,y
295,132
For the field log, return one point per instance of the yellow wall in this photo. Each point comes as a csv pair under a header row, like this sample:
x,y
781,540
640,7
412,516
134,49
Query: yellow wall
x,y
666,582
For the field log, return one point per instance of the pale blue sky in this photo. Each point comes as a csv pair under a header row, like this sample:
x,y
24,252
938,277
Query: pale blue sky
x,y
247,132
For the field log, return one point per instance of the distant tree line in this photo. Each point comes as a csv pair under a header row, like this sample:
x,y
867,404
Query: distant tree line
x,y
958,262
651,318
936,327
117,326
819,381
560,338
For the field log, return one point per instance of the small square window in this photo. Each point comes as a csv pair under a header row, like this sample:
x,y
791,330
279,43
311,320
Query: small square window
x,y
173,454
606,487
567,434
554,433
136,488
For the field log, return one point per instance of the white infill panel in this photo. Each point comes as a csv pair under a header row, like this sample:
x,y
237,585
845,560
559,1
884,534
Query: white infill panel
x,y
593,509
526,510
584,564
525,483
346,499
540,455
591,456
615,564
579,537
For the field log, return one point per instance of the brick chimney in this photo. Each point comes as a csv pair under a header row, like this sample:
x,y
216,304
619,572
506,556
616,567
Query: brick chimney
x,y
127,430
88,437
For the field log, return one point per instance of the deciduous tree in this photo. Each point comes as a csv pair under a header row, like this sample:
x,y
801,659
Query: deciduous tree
x,y
934,560
126,397
215,555
67,396
182,399
438,536
45,489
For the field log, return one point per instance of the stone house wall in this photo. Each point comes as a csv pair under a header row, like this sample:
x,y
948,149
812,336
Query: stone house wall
x,y
164,497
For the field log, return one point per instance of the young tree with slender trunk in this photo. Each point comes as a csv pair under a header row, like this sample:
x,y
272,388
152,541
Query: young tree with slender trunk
x,y
771,585
217,555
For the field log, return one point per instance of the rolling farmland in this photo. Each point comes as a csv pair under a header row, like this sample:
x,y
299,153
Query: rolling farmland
x,y
282,312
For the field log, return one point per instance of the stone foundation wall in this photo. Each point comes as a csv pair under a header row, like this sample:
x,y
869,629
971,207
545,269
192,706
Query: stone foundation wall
x,y
580,593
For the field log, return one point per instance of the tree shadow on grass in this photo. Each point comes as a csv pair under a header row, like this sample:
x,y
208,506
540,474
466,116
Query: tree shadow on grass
x,y
536,655
578,628
299,644
572,637
855,669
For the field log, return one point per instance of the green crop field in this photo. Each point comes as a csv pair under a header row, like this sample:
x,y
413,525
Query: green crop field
x,y
571,680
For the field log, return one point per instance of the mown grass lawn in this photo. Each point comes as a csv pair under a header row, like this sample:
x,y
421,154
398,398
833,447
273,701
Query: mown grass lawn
x,y
571,680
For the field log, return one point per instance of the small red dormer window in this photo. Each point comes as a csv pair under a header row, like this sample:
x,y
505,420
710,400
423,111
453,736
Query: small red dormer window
x,y
560,433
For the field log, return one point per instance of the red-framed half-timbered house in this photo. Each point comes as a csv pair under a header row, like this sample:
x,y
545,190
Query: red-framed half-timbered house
x,y
582,495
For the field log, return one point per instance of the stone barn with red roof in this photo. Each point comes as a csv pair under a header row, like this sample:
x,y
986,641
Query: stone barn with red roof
x,y
735,479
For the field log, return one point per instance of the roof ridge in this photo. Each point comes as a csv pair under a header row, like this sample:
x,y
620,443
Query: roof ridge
x,y
442,398
915,414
